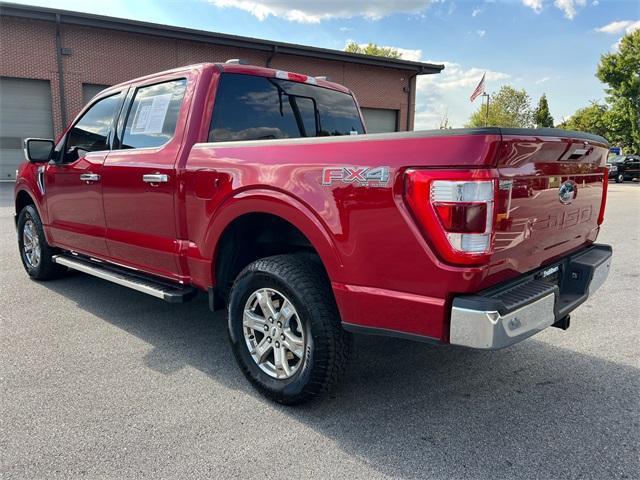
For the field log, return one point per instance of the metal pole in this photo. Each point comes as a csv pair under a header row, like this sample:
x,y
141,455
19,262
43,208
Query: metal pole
x,y
409,90
274,52
63,101
486,121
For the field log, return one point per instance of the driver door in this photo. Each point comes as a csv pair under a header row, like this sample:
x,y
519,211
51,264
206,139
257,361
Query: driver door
x,y
72,184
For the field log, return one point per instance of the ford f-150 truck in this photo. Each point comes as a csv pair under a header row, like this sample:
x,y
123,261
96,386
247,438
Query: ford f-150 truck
x,y
261,188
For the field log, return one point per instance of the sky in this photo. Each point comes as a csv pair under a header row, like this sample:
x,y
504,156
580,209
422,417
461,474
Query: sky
x,y
542,46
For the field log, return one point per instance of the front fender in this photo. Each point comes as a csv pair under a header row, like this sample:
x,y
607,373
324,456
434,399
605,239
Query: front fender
x,y
24,186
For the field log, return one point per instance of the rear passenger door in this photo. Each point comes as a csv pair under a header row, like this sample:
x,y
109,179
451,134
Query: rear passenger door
x,y
139,178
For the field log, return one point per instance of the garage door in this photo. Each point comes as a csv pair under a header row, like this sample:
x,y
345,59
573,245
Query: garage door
x,y
25,111
380,120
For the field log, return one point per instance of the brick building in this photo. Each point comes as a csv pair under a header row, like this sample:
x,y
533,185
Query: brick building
x,y
53,61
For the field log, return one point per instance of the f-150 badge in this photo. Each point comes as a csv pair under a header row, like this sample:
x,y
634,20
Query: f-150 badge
x,y
360,176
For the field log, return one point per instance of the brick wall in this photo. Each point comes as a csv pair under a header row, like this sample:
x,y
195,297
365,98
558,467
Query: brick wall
x,y
107,57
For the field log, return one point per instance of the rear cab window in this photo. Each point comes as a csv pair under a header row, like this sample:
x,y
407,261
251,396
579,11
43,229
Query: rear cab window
x,y
153,115
259,108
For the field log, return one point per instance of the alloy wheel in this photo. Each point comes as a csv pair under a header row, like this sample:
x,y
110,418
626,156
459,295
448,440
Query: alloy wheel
x,y
31,244
273,333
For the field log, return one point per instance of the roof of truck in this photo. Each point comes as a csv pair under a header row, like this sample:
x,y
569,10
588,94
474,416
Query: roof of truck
x,y
240,69
282,74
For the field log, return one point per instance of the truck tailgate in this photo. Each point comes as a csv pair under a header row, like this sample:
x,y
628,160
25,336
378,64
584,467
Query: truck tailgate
x,y
550,196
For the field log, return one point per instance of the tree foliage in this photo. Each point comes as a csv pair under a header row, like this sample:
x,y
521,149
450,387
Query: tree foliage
x,y
542,117
372,49
592,119
508,108
621,72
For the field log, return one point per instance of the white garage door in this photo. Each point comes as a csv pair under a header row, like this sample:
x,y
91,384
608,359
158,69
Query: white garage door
x,y
25,111
380,120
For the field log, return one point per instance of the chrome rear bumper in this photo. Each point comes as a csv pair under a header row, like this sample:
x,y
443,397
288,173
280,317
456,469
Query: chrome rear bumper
x,y
509,313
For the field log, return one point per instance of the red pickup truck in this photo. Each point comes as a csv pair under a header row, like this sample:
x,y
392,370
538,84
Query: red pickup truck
x,y
261,188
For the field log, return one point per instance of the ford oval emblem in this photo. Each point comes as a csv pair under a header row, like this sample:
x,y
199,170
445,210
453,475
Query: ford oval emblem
x,y
568,191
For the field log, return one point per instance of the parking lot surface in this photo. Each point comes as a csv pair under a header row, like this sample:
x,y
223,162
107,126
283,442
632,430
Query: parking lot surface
x,y
98,381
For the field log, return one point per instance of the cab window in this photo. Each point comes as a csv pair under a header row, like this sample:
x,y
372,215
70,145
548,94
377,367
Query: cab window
x,y
152,118
91,132
258,108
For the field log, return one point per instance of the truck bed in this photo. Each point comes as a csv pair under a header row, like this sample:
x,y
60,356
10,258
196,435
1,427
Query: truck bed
x,y
370,243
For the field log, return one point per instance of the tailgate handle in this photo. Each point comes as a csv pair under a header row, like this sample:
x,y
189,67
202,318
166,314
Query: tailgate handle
x,y
580,152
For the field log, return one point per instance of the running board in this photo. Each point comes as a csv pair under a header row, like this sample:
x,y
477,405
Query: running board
x,y
170,292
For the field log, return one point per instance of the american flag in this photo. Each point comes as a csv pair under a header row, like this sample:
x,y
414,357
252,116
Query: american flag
x,y
479,89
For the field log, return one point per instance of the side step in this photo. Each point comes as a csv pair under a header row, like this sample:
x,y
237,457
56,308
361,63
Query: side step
x,y
170,292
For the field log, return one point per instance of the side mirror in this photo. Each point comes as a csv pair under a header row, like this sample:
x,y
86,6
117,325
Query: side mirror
x,y
38,150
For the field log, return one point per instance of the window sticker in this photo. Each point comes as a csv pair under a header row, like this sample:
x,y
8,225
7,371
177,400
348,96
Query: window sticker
x,y
150,114
141,117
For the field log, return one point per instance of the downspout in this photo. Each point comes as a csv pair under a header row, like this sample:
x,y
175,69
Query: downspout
x,y
409,97
63,100
270,57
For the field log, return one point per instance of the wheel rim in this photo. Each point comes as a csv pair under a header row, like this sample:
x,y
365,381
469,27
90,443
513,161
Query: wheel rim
x,y
273,333
31,244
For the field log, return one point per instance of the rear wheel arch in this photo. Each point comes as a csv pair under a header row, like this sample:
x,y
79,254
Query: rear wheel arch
x,y
291,228
259,234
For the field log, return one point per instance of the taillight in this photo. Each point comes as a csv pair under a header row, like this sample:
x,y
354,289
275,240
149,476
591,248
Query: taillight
x,y
603,202
456,212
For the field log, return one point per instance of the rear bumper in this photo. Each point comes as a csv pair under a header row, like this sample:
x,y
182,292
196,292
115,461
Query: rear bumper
x,y
509,313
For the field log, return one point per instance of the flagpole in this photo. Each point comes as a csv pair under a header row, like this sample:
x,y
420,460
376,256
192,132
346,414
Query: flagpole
x,y
486,118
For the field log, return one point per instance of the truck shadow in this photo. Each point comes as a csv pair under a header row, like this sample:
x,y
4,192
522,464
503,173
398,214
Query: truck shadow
x,y
412,410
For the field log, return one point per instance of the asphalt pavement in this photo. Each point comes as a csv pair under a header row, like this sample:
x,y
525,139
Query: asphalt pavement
x,y
98,381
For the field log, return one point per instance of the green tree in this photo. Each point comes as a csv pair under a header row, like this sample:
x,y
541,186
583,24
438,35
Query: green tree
x,y
507,108
621,72
372,49
620,126
592,119
542,117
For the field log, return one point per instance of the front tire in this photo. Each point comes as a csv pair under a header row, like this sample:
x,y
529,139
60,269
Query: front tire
x,y
285,328
35,252
619,178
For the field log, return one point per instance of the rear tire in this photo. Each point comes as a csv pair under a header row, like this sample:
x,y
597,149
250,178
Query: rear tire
x,y
35,252
295,348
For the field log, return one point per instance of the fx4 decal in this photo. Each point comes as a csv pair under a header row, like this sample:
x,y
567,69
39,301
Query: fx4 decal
x,y
362,176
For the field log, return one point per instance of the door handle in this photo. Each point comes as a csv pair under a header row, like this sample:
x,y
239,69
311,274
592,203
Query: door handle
x,y
155,178
90,177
